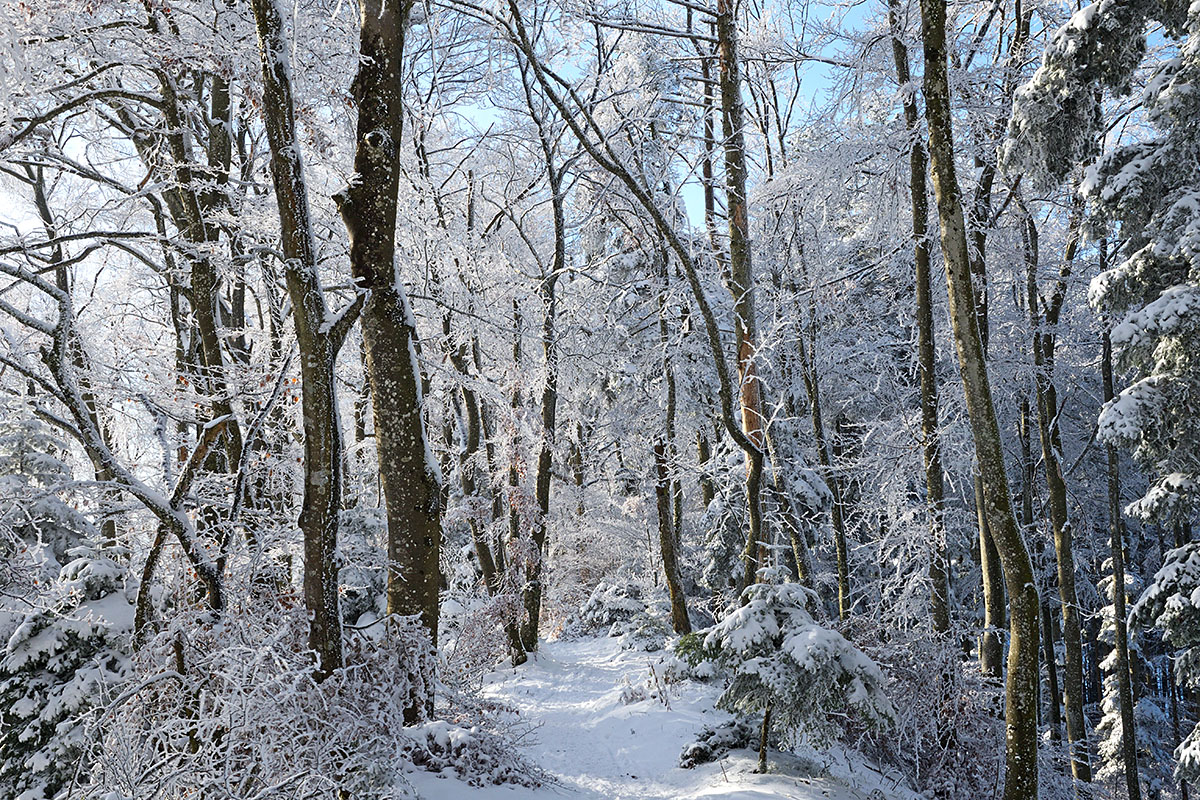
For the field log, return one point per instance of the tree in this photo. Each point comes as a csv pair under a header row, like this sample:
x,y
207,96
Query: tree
x,y
61,665
320,335
793,671
1021,686
410,477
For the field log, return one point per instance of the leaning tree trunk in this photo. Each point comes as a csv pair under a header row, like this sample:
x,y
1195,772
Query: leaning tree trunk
x,y
409,476
991,650
664,487
666,541
319,336
934,486
1021,693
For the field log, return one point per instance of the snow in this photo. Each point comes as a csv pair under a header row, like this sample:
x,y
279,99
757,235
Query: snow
x,y
594,747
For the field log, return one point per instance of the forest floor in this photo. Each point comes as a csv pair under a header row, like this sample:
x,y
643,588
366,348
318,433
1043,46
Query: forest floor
x,y
593,745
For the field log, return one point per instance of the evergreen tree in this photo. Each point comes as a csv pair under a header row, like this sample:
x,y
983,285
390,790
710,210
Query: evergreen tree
x,y
60,665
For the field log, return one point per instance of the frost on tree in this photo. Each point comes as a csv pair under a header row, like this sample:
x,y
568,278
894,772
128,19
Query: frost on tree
x,y
1150,189
37,528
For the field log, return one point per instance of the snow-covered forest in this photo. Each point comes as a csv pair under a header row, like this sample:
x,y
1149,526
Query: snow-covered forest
x,y
644,399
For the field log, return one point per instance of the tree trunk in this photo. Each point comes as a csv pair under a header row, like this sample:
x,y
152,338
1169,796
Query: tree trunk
x,y
926,356
546,290
666,541
708,489
410,477
741,276
991,650
1048,432
319,337
825,458
1022,681
1116,535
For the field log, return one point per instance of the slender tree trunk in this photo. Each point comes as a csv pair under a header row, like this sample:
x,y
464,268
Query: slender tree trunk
x,y
319,338
1022,680
926,355
1117,549
991,650
708,489
666,541
410,477
1048,432
549,400
1052,701
825,458
1052,695
741,276
762,741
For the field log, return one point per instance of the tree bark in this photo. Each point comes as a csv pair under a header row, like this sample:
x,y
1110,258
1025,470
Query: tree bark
x,y
991,650
741,276
1022,681
319,336
666,541
410,477
549,399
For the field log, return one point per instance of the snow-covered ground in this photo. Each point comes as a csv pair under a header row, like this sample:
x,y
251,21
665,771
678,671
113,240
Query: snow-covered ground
x,y
594,746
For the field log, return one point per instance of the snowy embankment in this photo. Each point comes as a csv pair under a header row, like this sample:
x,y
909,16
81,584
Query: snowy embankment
x,y
596,745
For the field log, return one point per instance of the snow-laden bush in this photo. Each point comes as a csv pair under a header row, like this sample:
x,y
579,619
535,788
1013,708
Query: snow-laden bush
x,y
609,603
233,711
61,665
1152,730
475,755
472,638
714,741
781,662
643,631
723,529
691,660
38,527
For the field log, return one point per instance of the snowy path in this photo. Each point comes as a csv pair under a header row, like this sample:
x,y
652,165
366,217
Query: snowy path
x,y
594,747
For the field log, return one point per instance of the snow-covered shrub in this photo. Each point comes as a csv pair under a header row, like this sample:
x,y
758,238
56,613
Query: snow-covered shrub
x,y
234,711
643,631
37,527
779,659
947,723
609,603
1152,730
632,693
724,540
475,755
714,741
690,659
472,637
63,663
